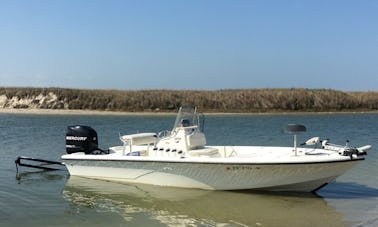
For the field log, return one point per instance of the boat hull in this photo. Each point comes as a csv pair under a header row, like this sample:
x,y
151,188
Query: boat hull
x,y
301,177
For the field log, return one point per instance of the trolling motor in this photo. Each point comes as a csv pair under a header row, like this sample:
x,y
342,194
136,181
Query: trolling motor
x,y
342,150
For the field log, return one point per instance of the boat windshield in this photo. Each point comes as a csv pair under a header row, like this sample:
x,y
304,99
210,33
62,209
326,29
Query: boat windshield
x,y
186,117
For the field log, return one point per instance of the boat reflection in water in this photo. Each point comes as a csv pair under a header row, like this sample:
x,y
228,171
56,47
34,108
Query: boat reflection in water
x,y
195,207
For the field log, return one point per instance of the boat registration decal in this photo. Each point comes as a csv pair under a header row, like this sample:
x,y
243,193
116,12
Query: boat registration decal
x,y
241,168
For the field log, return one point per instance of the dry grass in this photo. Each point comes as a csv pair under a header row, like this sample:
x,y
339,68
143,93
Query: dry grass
x,y
233,100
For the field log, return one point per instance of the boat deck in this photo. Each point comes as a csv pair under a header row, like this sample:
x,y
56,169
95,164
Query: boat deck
x,y
221,154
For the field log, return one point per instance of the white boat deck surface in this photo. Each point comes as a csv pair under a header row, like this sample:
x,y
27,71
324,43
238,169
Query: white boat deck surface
x,y
219,154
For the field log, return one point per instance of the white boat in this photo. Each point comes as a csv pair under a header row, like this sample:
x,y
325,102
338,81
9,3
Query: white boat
x,y
181,158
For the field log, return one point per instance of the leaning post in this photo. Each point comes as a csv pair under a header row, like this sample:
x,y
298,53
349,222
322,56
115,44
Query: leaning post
x,y
294,129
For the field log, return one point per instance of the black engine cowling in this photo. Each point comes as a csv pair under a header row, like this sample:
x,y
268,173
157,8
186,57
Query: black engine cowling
x,y
81,138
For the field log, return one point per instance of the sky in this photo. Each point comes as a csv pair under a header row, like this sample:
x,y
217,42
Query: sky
x,y
192,44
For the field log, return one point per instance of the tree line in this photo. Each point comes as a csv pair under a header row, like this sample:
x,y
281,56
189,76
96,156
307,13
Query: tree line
x,y
227,100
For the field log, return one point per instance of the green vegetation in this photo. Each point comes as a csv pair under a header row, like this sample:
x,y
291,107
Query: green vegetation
x,y
237,100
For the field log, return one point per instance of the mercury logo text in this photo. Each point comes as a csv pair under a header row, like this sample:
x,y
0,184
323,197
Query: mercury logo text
x,y
77,138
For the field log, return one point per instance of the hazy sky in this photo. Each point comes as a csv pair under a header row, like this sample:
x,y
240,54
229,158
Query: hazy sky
x,y
177,44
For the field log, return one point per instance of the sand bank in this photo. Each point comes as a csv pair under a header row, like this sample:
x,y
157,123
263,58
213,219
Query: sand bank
x,y
150,113
74,112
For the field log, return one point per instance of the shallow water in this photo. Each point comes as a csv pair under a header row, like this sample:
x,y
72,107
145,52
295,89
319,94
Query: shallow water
x,y
35,198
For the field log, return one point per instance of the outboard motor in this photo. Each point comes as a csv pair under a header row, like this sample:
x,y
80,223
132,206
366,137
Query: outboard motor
x,y
81,138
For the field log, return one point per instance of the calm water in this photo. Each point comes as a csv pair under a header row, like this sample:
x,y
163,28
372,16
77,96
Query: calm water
x,y
55,199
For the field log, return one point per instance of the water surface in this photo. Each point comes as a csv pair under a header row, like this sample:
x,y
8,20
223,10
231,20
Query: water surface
x,y
38,198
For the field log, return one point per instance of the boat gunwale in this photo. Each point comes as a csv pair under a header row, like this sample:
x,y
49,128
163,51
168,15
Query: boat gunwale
x,y
187,160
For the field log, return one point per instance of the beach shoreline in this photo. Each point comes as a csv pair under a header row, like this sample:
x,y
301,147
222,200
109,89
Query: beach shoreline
x,y
158,113
74,112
